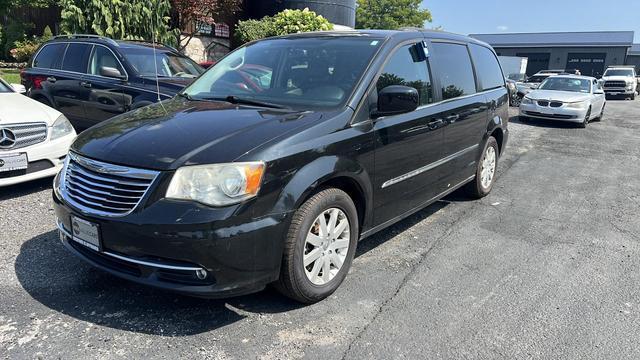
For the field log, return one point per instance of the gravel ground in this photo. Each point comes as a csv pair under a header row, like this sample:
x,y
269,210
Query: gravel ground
x,y
546,267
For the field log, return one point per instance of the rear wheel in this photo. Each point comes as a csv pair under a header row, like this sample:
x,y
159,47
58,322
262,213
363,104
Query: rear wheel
x,y
485,171
319,247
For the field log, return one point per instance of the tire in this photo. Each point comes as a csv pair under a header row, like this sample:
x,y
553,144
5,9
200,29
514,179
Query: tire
x,y
479,188
297,280
633,96
516,100
599,118
585,121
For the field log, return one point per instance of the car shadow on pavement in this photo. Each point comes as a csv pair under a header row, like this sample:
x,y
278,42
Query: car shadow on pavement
x,y
66,284
555,124
14,191
57,279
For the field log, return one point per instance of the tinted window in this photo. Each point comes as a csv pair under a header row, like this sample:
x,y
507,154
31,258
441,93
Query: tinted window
x,y
454,69
405,68
75,58
103,57
167,64
4,88
487,67
49,57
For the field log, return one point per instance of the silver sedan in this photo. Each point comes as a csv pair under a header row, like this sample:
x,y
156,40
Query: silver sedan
x,y
578,99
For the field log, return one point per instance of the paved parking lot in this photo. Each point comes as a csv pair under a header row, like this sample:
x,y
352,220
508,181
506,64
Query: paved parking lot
x,y
547,266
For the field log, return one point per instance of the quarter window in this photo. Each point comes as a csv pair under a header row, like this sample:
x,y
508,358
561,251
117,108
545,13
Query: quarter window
x,y
487,67
49,56
406,68
454,69
75,58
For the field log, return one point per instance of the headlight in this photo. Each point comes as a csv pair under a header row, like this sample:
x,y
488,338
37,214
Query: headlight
x,y
577,105
61,127
526,101
217,184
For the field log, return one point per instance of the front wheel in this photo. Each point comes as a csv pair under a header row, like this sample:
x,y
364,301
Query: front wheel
x,y
585,121
319,247
485,171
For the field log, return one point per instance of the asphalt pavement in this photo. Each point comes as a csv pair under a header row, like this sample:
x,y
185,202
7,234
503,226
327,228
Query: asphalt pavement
x,y
546,267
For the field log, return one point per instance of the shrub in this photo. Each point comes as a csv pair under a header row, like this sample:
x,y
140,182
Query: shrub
x,y
24,49
284,22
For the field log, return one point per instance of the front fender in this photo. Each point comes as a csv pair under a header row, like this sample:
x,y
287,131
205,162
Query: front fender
x,y
312,176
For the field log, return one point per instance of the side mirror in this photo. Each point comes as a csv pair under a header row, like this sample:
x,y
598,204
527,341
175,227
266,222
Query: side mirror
x,y
19,88
111,72
396,99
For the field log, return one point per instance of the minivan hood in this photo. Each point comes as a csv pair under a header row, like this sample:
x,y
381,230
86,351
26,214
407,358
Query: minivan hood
x,y
179,132
564,96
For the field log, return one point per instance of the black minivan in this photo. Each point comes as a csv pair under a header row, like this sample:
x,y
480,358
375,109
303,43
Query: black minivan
x,y
273,164
91,78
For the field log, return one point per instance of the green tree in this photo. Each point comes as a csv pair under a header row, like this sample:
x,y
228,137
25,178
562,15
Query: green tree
x,y
119,19
283,23
390,14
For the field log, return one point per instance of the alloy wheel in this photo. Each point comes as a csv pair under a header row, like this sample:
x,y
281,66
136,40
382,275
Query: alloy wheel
x,y
488,169
326,246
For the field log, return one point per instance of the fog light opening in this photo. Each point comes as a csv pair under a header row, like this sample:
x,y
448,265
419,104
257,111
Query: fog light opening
x,y
201,274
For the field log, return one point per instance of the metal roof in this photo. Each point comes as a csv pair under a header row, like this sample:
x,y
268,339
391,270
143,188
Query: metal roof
x,y
558,39
635,49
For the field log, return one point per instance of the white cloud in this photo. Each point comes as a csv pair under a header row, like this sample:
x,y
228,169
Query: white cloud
x,y
502,27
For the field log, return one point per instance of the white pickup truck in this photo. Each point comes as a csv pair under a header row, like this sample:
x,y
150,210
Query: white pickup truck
x,y
620,80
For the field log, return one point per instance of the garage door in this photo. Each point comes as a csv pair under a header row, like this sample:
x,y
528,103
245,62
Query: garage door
x,y
536,62
590,64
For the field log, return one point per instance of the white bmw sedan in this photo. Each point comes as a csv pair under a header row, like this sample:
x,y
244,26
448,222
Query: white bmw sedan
x,y
573,98
34,138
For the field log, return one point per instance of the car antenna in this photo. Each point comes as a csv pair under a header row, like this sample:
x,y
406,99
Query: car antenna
x,y
155,59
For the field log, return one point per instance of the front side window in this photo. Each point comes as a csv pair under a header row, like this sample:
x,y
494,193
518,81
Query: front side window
x,y
566,84
454,69
487,67
49,56
103,57
75,58
297,73
406,68
167,63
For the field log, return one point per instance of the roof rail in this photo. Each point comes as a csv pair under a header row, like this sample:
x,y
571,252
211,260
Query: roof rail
x,y
86,36
151,42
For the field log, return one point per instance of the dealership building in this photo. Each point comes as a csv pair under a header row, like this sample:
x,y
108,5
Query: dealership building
x,y
589,52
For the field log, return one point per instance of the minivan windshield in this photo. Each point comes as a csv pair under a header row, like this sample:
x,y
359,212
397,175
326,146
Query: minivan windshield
x,y
619,72
566,84
168,63
291,72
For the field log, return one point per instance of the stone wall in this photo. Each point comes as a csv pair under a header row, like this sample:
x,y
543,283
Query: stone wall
x,y
206,48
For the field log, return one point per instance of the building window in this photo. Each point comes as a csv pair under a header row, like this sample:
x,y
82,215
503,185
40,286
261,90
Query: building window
x,y
222,30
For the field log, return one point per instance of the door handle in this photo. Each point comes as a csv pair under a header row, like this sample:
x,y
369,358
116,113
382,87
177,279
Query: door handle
x,y
435,124
452,118
85,84
51,79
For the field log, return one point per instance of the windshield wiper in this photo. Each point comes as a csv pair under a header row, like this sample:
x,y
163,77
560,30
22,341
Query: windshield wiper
x,y
244,101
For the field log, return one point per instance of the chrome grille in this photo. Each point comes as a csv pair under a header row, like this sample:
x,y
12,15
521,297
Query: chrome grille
x,y
555,104
25,134
104,189
543,103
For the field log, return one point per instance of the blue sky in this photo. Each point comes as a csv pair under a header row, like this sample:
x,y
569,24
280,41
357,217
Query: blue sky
x,y
495,16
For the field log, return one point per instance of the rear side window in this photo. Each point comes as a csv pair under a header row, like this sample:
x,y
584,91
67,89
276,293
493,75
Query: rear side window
x,y
49,56
405,68
454,70
75,58
487,67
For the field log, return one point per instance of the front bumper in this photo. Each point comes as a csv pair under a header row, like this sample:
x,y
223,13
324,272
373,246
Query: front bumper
x,y
165,245
618,91
548,113
45,160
